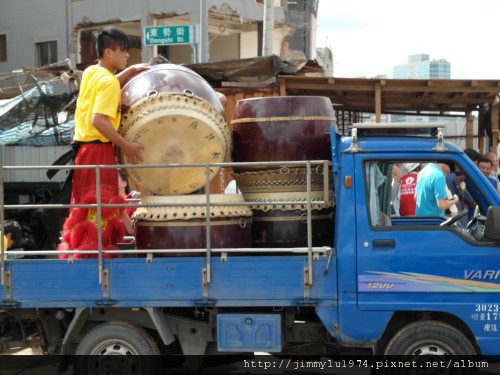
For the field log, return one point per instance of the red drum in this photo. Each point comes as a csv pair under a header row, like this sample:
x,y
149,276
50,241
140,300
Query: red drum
x,y
183,226
179,119
286,128
278,224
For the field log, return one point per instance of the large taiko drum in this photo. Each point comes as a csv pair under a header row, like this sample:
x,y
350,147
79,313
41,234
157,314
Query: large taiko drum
x,y
279,224
282,129
179,222
179,119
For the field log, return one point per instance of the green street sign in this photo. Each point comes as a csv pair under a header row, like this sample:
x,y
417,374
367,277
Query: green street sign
x,y
168,35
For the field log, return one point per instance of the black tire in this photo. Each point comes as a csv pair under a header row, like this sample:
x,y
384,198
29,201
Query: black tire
x,y
117,348
428,342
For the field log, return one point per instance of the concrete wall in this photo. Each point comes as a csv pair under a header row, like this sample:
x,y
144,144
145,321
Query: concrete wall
x,y
248,45
26,22
225,48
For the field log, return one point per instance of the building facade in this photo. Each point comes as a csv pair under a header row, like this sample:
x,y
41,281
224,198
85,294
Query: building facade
x,y
302,15
420,67
324,56
222,30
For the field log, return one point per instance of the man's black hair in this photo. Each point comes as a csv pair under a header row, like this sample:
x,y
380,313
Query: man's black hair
x,y
472,154
122,174
112,38
13,227
484,160
159,59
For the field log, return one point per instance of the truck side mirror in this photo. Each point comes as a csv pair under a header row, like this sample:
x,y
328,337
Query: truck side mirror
x,y
492,226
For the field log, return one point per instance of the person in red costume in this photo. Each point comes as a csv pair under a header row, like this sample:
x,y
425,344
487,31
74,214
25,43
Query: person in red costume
x,y
97,117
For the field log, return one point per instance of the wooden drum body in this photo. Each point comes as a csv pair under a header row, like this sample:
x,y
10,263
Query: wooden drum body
x,y
183,225
285,128
279,224
179,119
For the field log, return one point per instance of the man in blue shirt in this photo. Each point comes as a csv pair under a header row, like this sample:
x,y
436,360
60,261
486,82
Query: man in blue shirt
x,y
432,198
485,165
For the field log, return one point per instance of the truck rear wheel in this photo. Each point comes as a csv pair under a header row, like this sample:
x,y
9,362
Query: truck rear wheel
x,y
430,342
117,348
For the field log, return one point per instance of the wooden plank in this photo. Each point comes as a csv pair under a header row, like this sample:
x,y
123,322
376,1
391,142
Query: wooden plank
x,y
494,125
469,130
378,102
249,84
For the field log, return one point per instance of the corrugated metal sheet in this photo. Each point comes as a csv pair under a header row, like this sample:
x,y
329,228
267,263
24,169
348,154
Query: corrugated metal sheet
x,y
28,156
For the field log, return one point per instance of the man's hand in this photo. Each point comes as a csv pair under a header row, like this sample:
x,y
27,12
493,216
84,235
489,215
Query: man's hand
x,y
140,67
132,152
130,72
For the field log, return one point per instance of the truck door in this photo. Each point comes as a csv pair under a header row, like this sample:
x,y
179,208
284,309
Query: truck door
x,y
426,263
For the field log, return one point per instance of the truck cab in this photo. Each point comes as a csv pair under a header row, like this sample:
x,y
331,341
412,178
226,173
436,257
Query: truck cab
x,y
414,274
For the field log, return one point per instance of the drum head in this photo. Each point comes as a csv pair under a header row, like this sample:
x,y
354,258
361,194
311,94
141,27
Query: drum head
x,y
175,129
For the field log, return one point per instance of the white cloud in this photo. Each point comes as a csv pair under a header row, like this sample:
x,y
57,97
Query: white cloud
x,y
370,37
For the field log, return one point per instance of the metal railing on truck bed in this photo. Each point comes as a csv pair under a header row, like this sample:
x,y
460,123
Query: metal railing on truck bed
x,y
149,254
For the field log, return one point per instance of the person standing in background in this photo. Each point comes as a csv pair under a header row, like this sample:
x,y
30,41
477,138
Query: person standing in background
x,y
456,183
124,191
485,165
494,167
431,194
405,203
12,235
472,154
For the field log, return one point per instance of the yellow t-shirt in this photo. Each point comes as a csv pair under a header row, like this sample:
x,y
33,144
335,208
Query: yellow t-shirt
x,y
100,92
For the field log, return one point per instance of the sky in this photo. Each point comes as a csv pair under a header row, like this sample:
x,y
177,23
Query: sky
x,y
369,37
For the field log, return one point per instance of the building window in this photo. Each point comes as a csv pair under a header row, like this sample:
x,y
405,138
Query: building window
x,y
46,53
3,47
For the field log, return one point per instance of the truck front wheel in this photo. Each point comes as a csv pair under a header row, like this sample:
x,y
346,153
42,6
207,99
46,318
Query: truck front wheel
x,y
116,348
426,341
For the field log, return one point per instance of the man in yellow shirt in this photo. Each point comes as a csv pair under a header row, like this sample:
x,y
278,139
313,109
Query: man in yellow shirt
x,y
97,117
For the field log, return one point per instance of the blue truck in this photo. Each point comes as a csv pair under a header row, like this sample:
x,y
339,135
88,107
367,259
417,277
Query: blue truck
x,y
386,285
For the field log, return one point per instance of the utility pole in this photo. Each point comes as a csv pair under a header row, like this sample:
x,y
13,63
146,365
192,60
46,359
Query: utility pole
x,y
268,27
202,50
